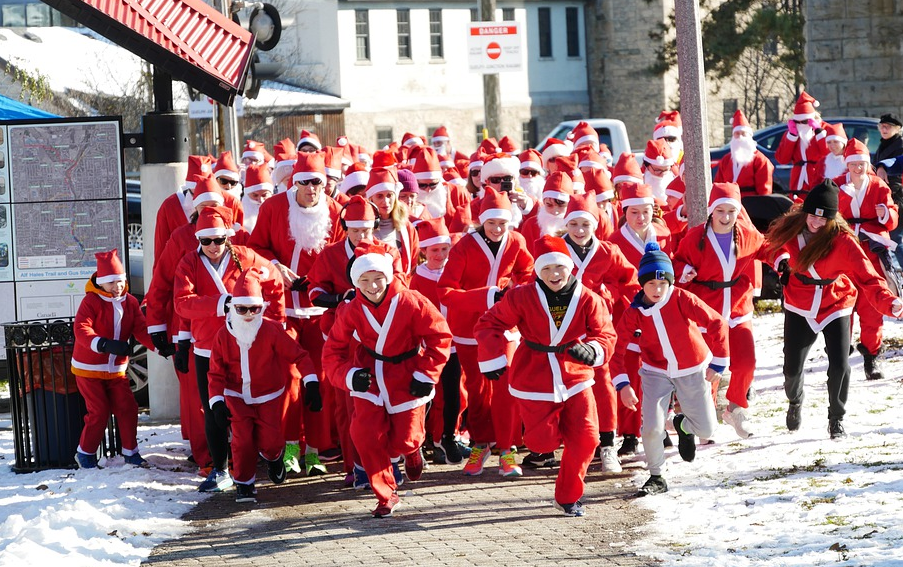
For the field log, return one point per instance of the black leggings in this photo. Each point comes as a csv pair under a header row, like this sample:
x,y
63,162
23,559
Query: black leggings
x,y
798,339
217,438
451,395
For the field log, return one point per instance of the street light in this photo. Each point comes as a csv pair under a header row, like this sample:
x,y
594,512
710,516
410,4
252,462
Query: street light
x,y
264,23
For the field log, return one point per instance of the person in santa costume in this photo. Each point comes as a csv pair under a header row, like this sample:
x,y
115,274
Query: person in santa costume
x,y
549,218
228,174
531,176
106,319
566,332
803,146
308,142
745,165
254,153
669,127
292,229
440,198
826,269
202,292
247,377
598,184
715,261
658,168
285,155
389,344
498,172
394,228
258,188
481,267
409,196
832,164
678,357
866,204
441,143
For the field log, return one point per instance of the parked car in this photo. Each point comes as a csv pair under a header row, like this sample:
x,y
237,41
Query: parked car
x,y
768,138
134,232
612,133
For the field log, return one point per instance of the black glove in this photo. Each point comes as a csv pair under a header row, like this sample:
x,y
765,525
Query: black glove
x,y
328,300
420,389
349,295
583,353
226,303
360,380
167,351
312,398
300,284
495,374
180,359
221,414
119,348
161,342
500,294
784,271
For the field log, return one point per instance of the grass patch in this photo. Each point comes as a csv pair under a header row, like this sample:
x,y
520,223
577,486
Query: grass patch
x,y
813,502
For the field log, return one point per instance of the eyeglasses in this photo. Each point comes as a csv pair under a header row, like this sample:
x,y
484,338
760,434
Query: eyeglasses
x,y
801,121
229,182
658,170
252,309
669,139
497,180
528,173
432,185
474,172
219,240
315,181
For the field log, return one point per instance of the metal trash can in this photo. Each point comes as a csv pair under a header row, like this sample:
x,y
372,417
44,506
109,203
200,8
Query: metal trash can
x,y
46,408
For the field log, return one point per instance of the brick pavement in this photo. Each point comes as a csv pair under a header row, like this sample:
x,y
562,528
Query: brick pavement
x,y
445,519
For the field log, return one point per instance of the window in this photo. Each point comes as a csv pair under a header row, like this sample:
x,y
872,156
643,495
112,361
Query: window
x,y
474,14
528,134
479,134
14,15
404,33
383,136
772,110
362,34
729,107
508,14
37,15
573,31
436,34
545,32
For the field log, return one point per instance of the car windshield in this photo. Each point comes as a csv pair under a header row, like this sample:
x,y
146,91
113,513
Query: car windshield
x,y
604,135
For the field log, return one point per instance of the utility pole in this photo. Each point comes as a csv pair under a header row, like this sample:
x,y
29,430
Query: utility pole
x,y
492,99
226,120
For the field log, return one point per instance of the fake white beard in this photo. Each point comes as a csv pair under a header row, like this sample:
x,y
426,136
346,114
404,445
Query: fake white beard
x,y
532,186
188,204
834,166
235,191
244,331
549,223
251,209
743,149
309,227
658,184
435,201
676,148
806,134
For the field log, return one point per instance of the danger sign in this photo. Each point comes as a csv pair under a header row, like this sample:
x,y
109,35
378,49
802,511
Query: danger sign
x,y
494,47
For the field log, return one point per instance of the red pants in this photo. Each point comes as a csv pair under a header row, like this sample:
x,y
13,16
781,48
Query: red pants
x,y
574,423
491,415
380,436
299,424
606,400
743,363
630,421
435,421
871,321
191,414
344,415
102,398
255,428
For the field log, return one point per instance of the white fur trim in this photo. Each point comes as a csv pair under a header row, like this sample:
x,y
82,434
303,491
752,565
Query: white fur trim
x,y
306,175
804,116
552,258
857,157
589,138
227,173
309,140
359,223
371,263
204,197
666,131
504,214
210,232
582,215
353,180
658,160
442,239
626,178
260,187
637,202
833,137
592,164
111,278
428,176
531,165
247,300
742,129
500,166
253,155
379,187
725,201
556,195
496,363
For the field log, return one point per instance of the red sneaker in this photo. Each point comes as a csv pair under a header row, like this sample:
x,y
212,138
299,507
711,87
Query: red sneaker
x,y
413,465
386,508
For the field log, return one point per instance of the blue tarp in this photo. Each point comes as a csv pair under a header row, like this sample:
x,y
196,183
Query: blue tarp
x,y
14,110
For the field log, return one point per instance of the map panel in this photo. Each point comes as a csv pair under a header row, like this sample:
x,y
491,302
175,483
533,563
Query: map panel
x,y
65,161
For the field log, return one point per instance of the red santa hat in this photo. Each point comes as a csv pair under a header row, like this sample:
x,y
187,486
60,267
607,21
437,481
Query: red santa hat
x,y
226,167
382,179
213,221
555,148
257,178
507,145
489,146
109,267
254,150
494,205
206,190
584,135
432,232
531,159
626,170
440,134
805,106
604,152
635,194
285,153
332,161
384,158
566,164
358,213
739,123
410,140
551,250
658,153
666,129
558,186
371,256
249,287
452,176
198,166
499,164
588,157
835,132
309,138
356,174
309,165
583,206
856,150
724,194
577,179
476,160
597,182
427,166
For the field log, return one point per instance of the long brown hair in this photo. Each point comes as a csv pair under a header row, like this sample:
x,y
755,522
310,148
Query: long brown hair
x,y
234,254
786,228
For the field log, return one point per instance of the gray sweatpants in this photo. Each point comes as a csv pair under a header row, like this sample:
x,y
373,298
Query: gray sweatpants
x,y
695,396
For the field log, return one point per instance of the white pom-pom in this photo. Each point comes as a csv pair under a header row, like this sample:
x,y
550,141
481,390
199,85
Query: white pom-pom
x,y
815,103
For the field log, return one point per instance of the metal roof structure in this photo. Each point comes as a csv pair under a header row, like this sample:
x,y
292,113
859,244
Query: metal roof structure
x,y
188,39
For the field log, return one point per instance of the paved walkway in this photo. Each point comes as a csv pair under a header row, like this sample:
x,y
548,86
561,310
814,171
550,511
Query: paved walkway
x,y
445,519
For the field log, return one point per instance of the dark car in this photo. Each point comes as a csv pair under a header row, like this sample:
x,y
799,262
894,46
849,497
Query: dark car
x,y
767,140
133,214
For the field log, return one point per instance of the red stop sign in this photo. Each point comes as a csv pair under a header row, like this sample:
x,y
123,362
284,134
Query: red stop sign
x,y
493,50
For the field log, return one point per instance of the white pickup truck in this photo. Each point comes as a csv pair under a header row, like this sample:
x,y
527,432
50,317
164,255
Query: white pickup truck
x,y
611,132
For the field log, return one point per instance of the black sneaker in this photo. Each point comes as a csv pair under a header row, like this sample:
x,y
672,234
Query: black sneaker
x,y
655,485
575,509
246,492
794,416
448,451
539,460
276,470
686,442
667,441
628,446
331,454
835,428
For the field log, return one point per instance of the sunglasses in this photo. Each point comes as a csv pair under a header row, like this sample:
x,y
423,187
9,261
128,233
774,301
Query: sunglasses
x,y
208,241
801,121
252,309
229,182
474,172
315,181
428,185
528,173
500,179
658,170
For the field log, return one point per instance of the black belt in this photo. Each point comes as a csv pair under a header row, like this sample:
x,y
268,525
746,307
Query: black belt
x,y
394,359
718,285
802,163
747,190
813,281
561,349
859,220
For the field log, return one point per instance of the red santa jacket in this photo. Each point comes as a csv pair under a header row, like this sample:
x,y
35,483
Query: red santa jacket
x,y
200,293
176,211
403,322
102,316
805,162
669,338
407,243
606,271
734,303
159,299
425,281
871,205
633,248
753,178
846,268
473,274
257,374
545,376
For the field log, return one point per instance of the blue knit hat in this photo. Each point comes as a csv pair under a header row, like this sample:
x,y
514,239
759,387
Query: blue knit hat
x,y
655,265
